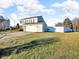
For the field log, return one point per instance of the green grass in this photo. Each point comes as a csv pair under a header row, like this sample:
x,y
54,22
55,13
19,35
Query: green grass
x,y
41,46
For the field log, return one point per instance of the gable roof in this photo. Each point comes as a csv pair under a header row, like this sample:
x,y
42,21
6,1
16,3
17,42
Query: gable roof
x,y
39,19
30,17
59,24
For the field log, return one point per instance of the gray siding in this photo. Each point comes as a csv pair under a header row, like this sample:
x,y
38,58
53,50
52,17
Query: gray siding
x,y
4,24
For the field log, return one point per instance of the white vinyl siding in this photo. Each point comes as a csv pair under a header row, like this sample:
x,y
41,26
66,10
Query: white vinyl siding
x,y
59,29
33,24
33,28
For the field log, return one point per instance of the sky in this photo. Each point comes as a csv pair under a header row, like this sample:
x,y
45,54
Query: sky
x,y
53,11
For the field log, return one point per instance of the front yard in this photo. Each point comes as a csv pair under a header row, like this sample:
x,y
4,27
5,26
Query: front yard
x,y
41,46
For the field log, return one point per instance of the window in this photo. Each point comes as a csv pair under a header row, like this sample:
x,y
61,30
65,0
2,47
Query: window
x,y
24,21
33,21
30,20
27,20
20,21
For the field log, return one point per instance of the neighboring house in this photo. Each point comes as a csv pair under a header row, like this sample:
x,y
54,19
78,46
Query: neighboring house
x,y
62,29
4,23
59,29
34,24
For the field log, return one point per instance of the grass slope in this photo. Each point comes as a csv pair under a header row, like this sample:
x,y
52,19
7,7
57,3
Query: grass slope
x,y
41,46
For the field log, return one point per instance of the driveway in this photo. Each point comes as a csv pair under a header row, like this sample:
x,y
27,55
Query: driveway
x,y
12,35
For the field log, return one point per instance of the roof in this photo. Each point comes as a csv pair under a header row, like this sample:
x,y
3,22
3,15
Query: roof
x,y
31,17
59,24
1,18
40,19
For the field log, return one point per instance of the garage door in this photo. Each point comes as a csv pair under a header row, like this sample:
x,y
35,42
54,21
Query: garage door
x,y
31,29
59,29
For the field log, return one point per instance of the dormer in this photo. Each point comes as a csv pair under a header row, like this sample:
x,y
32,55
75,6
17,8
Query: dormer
x,y
35,19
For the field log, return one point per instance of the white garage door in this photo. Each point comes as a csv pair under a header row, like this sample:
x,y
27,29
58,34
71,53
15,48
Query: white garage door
x,y
31,28
59,29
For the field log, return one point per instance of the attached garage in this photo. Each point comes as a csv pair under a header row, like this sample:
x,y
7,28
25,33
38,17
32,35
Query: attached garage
x,y
33,24
33,28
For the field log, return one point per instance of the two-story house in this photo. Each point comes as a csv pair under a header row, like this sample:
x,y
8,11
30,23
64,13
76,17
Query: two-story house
x,y
34,24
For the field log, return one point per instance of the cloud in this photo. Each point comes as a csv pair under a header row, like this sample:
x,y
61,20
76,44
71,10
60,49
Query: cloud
x,y
51,21
14,16
57,5
68,4
33,5
25,8
6,3
14,19
70,8
1,11
49,11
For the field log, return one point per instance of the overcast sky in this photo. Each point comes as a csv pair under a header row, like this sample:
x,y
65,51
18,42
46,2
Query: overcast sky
x,y
53,11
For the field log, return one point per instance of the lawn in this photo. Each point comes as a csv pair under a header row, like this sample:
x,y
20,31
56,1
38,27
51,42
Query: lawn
x,y
46,45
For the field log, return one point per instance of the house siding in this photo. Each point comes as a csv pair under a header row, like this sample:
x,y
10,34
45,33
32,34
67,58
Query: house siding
x,y
59,29
63,29
33,28
4,25
34,24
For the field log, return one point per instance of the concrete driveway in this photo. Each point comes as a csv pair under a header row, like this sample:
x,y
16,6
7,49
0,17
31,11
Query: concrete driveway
x,y
12,35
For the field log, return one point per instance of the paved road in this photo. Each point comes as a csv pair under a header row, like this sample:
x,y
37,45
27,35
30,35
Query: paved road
x,y
12,35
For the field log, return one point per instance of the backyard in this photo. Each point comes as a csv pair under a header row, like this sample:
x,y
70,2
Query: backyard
x,y
46,45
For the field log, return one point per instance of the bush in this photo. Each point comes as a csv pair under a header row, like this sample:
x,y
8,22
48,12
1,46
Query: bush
x,y
21,30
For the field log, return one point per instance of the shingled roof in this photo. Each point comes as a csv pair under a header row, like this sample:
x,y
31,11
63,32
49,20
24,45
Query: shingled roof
x,y
1,18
